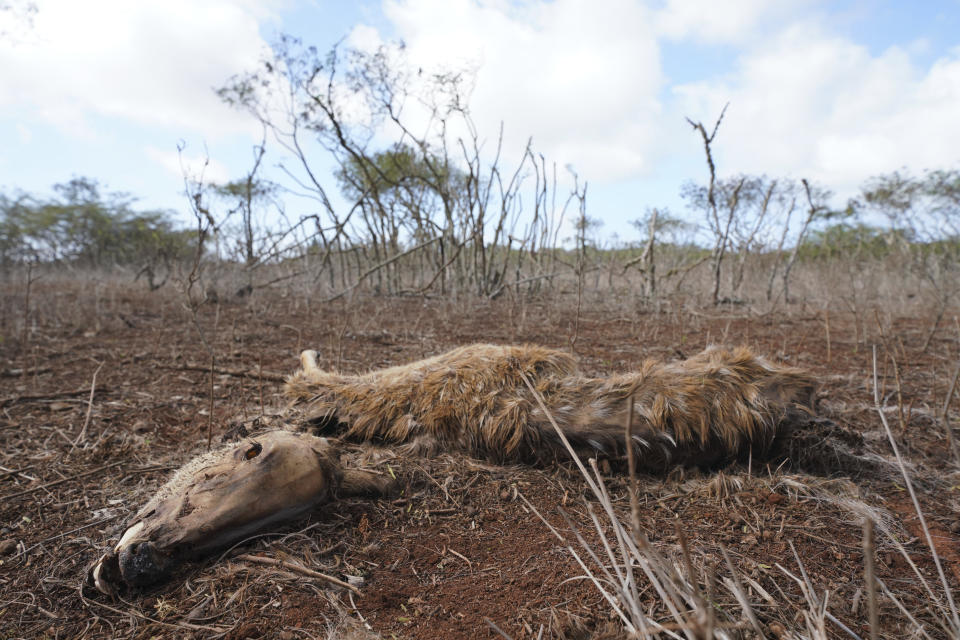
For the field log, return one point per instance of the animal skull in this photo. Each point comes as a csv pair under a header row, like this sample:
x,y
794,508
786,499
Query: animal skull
x,y
222,497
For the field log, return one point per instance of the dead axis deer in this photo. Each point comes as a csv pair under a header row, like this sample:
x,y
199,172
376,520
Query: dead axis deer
x,y
497,402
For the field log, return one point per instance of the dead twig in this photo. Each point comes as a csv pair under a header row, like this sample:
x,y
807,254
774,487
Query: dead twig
x,y
945,418
213,363
17,373
61,481
237,373
62,534
494,627
826,322
132,612
86,419
29,397
7,473
870,578
296,568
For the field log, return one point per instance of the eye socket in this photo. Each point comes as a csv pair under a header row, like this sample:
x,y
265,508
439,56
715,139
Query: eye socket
x,y
253,451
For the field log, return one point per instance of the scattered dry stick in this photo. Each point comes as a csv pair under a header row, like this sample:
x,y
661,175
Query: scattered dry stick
x,y
17,472
238,373
86,419
213,363
133,612
896,377
869,577
61,481
494,627
945,417
28,397
826,321
260,382
18,373
296,568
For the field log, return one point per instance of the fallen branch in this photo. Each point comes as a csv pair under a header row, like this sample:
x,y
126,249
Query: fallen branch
x,y
86,420
237,373
15,472
296,568
28,397
63,534
945,417
61,481
17,373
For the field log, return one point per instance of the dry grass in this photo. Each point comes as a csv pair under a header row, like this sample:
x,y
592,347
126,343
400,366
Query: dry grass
x,y
458,546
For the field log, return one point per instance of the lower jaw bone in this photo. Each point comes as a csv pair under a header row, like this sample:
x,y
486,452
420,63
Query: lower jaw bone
x,y
105,575
131,564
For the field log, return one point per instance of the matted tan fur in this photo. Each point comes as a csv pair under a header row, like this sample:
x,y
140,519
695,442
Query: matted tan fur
x,y
476,399
702,410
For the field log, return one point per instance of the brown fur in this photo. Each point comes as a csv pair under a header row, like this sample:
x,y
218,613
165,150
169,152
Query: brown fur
x,y
709,408
475,399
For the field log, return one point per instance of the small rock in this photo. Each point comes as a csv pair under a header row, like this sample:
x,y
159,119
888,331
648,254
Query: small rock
x,y
7,547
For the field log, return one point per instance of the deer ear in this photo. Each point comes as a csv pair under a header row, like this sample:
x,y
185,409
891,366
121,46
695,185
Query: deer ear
x,y
366,483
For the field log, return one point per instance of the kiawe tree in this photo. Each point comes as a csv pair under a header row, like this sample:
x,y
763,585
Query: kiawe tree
x,y
83,227
407,156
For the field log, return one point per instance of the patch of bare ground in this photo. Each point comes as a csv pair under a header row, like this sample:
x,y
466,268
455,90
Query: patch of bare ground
x,y
109,387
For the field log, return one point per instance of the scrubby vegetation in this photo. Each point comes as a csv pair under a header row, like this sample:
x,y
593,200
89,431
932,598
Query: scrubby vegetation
x,y
426,235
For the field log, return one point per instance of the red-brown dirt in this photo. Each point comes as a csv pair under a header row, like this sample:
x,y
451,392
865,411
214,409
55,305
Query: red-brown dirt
x,y
460,545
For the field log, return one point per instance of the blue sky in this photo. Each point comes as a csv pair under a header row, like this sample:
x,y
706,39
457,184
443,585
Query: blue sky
x,y
831,91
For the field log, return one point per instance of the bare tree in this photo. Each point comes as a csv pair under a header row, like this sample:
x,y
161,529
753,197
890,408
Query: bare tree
x,y
719,227
816,208
412,163
923,215
649,268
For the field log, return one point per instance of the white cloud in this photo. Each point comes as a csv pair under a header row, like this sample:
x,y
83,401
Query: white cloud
x,y
709,21
151,62
24,133
581,77
584,79
194,165
817,105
